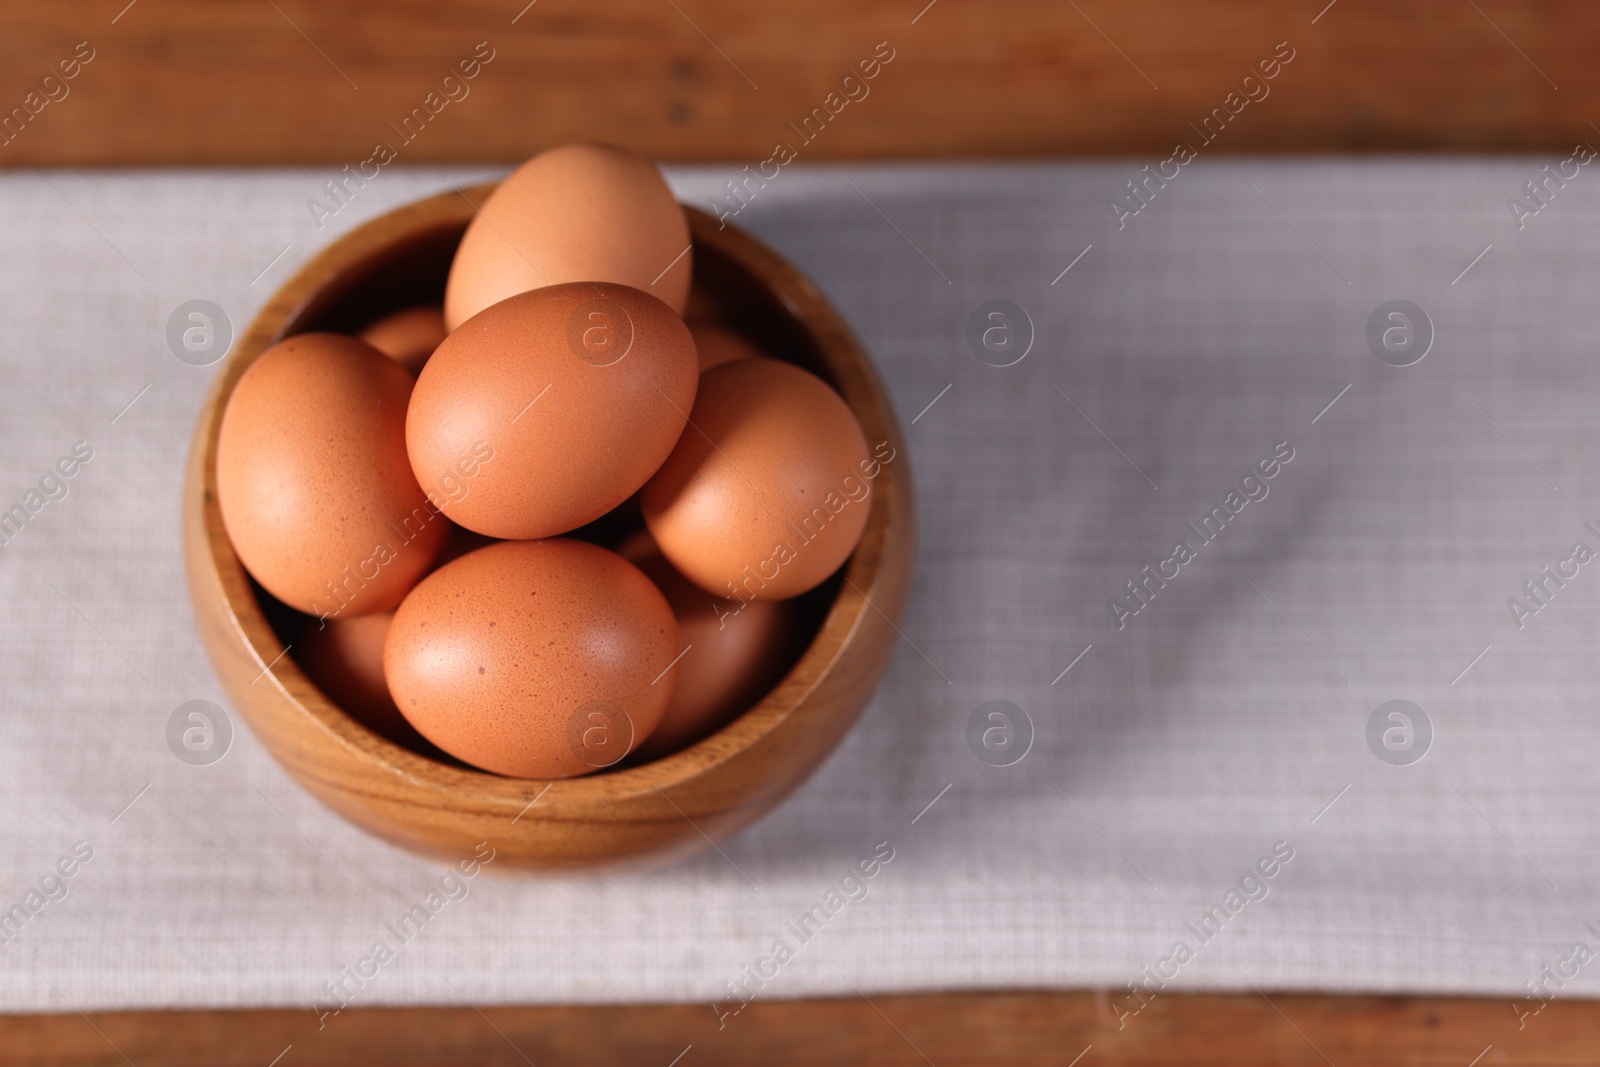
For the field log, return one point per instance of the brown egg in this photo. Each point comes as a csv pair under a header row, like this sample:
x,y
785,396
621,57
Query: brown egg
x,y
716,345
344,657
550,408
578,213
734,653
769,492
313,480
408,337
536,659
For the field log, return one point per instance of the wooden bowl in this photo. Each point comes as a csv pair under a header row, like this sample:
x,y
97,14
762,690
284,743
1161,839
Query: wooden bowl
x,y
643,815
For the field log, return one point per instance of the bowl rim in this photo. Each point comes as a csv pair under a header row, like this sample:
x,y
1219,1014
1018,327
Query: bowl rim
x,y
854,378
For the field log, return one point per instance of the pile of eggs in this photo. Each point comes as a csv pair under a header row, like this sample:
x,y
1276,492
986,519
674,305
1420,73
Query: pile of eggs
x,y
547,525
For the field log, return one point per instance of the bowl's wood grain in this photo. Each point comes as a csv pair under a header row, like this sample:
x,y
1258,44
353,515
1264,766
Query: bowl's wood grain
x,y
643,815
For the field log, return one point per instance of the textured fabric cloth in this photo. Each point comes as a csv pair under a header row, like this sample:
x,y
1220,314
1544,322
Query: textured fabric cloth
x,y
1224,730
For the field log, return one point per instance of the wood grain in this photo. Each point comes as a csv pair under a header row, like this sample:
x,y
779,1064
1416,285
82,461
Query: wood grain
x,y
948,1030
321,81
642,815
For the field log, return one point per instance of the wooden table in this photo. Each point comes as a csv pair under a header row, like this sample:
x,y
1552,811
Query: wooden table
x,y
191,82
302,81
949,1030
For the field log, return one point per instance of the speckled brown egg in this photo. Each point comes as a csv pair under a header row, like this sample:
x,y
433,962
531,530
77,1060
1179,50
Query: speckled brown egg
x,y
535,659
577,213
408,336
550,408
313,480
716,345
733,653
769,493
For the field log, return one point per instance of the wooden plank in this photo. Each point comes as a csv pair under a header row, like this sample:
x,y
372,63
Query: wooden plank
x,y
949,1030
321,81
